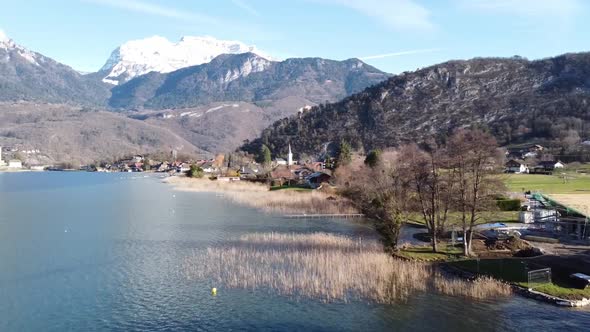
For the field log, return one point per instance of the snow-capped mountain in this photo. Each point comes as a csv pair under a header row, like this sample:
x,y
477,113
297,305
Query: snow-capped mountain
x,y
139,57
12,49
246,77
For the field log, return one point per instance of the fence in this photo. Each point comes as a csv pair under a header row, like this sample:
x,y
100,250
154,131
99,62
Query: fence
x,y
539,277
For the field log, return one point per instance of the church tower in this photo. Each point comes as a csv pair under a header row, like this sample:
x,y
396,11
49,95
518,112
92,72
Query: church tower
x,y
290,157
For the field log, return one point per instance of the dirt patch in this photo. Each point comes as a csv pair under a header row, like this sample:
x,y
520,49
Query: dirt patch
x,y
580,202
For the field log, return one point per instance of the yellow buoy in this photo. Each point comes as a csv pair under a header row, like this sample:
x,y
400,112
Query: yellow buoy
x,y
213,291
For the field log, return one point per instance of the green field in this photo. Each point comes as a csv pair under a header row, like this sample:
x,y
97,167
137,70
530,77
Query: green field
x,y
514,271
454,218
549,184
294,188
425,253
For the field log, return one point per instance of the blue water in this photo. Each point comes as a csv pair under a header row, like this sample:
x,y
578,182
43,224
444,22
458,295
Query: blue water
x,y
103,252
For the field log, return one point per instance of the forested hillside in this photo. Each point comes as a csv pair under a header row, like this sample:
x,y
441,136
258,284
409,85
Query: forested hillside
x,y
515,99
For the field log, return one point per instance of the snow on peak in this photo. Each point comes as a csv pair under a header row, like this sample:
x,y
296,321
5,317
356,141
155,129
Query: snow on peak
x,y
139,57
251,65
12,48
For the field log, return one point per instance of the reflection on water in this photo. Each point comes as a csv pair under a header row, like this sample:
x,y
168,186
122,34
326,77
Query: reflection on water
x,y
90,252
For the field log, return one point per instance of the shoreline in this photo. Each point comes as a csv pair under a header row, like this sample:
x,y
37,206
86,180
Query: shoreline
x,y
260,196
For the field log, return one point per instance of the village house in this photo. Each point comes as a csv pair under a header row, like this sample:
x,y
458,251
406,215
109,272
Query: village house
x,y
516,166
15,163
136,167
317,166
303,172
527,151
316,180
549,166
208,167
183,167
228,178
248,173
2,163
163,167
282,175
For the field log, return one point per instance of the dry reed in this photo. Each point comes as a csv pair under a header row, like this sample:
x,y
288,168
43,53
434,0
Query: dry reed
x,y
480,288
258,196
326,267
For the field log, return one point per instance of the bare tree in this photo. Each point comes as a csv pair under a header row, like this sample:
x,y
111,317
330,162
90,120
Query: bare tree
x,y
432,186
476,163
381,192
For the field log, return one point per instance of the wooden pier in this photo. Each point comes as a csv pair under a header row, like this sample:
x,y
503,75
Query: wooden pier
x,y
320,216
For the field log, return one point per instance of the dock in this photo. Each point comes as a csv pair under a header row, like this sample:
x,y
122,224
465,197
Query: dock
x,y
321,216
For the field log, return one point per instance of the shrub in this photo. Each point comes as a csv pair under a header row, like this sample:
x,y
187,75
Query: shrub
x,y
195,172
508,204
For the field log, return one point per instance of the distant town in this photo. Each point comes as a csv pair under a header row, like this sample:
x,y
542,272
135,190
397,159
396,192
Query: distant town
x,y
224,167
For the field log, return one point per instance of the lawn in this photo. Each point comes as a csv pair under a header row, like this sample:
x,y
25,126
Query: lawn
x,y
564,292
549,184
454,218
515,271
511,270
425,254
294,188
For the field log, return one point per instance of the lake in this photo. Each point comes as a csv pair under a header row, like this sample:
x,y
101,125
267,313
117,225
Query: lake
x,y
103,252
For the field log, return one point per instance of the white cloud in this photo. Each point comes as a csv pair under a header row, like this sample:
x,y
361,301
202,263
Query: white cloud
x,y
245,6
528,8
140,6
400,15
401,53
191,19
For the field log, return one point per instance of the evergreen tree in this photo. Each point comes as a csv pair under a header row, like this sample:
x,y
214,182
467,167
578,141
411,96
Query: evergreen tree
x,y
344,154
373,158
264,157
195,172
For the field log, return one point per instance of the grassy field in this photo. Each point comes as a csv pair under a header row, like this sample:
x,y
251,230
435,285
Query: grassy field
x,y
425,254
564,292
515,271
549,184
293,188
454,218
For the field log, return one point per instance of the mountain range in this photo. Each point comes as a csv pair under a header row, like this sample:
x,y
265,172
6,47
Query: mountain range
x,y
202,101
158,54
154,83
247,77
515,99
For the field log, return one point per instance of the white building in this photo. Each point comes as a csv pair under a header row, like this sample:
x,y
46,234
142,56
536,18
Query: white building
x,y
516,166
15,163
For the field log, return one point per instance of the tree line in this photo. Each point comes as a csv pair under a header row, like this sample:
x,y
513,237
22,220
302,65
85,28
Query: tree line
x,y
430,183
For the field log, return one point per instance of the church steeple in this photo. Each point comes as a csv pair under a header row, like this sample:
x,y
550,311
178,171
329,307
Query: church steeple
x,y
290,157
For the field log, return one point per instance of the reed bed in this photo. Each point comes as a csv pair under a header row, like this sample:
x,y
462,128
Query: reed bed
x,y
480,288
326,267
258,196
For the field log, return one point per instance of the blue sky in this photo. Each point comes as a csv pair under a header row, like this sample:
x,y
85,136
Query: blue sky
x,y
393,35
